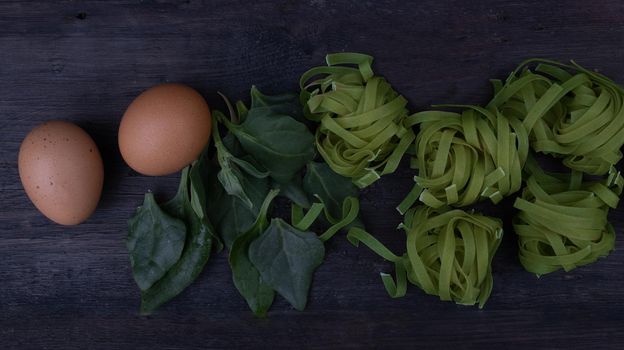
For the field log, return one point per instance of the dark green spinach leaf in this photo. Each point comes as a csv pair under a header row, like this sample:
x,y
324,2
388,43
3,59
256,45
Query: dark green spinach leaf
x,y
247,279
242,159
287,104
194,256
286,259
201,170
231,216
155,242
197,173
293,190
230,175
278,142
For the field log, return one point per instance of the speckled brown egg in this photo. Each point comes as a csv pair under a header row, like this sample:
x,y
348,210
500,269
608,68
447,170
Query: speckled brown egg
x,y
61,171
164,129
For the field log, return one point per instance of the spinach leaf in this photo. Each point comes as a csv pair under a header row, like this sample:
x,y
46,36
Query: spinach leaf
x,y
231,216
324,185
277,142
194,256
242,159
232,145
155,242
293,190
286,259
197,173
176,205
200,170
230,175
247,279
287,104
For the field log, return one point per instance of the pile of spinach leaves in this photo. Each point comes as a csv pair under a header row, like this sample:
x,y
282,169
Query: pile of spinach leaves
x,y
267,151
169,244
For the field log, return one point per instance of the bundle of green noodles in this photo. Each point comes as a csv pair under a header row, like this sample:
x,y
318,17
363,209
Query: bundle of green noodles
x,y
449,254
464,157
361,133
562,220
570,112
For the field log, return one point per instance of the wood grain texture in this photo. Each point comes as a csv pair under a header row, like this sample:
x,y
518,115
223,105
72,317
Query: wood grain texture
x,y
84,61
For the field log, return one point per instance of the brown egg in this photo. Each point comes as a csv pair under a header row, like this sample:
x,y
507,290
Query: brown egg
x,y
62,172
164,129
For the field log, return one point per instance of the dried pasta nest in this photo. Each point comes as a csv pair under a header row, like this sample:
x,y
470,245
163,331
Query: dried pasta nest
x,y
465,157
449,254
562,221
571,112
361,133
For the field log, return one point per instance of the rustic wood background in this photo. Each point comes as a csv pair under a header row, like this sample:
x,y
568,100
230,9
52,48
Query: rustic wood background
x,y
84,61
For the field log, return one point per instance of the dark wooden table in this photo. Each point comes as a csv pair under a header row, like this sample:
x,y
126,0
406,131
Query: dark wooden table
x,y
84,61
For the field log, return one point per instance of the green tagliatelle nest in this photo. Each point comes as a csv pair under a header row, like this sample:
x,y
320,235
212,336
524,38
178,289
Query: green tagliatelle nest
x,y
449,254
562,221
361,133
464,157
571,112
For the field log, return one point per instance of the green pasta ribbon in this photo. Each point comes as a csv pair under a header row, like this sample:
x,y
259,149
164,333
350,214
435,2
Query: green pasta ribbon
x,y
303,221
570,112
465,157
449,254
361,133
562,220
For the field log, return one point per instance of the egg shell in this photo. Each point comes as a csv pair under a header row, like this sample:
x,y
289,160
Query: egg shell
x,y
62,172
164,129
